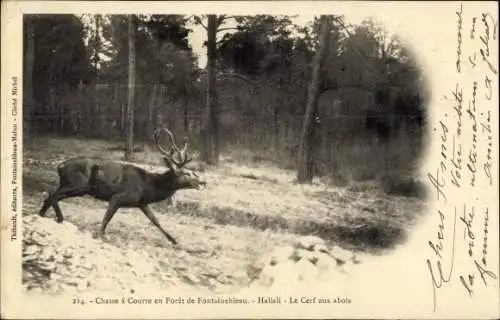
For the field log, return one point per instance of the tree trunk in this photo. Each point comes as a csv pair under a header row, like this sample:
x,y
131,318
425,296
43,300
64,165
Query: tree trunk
x,y
61,115
211,115
151,109
123,111
131,88
28,79
97,41
276,132
80,113
115,105
307,137
186,120
99,113
53,111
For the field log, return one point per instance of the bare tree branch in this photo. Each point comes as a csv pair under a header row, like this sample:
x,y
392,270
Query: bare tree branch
x,y
340,21
220,20
198,20
249,81
344,86
231,17
190,17
228,28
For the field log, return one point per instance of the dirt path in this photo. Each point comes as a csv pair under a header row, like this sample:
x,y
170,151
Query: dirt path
x,y
245,212
211,256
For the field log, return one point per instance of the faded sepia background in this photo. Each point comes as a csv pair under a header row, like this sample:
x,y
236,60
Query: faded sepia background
x,y
392,278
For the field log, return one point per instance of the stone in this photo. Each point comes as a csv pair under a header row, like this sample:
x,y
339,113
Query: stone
x,y
355,259
308,242
30,250
30,257
307,271
47,265
326,262
281,254
254,269
212,282
300,254
58,258
68,289
341,255
190,278
320,247
55,276
265,279
283,274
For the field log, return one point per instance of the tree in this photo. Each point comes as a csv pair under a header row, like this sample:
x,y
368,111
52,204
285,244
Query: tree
x,y
307,137
60,63
210,153
131,89
262,48
211,142
29,58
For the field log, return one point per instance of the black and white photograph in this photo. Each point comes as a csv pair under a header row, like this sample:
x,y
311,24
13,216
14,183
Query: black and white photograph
x,y
300,161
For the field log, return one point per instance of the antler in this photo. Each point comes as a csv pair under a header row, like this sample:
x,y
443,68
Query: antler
x,y
179,151
169,154
156,136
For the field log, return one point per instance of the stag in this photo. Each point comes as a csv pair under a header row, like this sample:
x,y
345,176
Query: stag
x,y
124,185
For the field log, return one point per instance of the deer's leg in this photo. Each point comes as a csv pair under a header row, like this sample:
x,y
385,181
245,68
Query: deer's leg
x,y
61,194
117,201
147,211
45,206
110,212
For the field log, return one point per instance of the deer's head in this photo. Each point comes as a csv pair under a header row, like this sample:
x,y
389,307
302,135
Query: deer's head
x,y
176,159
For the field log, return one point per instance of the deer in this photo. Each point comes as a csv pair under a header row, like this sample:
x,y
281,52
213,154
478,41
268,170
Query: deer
x,y
124,185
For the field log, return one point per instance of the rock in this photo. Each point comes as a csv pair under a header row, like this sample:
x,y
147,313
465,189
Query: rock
x,y
307,271
58,258
30,257
36,291
341,255
335,273
55,276
82,285
355,259
266,277
70,227
86,265
47,265
254,270
281,254
78,284
320,247
326,262
212,282
308,242
30,250
283,274
68,289
300,254
47,254
221,278
190,278
40,240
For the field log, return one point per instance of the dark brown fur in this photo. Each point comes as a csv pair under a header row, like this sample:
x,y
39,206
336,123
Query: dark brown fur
x,y
121,185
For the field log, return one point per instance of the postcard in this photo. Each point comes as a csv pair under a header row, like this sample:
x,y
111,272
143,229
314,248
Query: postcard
x,y
249,159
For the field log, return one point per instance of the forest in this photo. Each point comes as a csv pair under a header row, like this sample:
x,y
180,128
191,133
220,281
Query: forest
x,y
309,138
328,99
